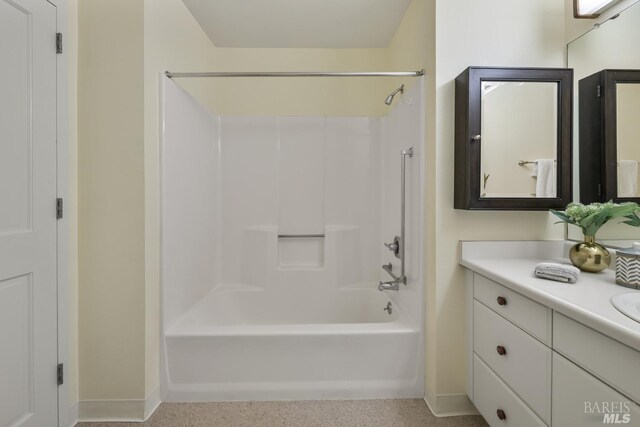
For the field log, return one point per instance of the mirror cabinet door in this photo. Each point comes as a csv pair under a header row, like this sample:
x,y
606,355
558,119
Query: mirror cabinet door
x,y
609,136
513,138
627,138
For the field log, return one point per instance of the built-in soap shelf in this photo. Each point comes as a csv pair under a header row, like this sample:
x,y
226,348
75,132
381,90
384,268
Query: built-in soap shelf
x,y
301,250
270,257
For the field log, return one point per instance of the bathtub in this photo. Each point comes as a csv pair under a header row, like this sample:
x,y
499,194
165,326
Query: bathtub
x,y
248,343
269,275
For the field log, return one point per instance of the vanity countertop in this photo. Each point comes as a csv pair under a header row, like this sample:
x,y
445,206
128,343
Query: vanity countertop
x,y
587,301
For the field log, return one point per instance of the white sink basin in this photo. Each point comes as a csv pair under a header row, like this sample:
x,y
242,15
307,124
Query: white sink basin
x,y
628,304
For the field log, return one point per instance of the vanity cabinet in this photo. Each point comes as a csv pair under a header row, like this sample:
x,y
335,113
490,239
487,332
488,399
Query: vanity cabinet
x,y
532,366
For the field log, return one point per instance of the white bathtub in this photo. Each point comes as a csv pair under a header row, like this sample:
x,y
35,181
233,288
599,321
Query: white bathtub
x,y
243,343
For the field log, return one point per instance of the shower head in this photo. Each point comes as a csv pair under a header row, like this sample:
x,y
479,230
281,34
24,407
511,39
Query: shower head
x,y
389,99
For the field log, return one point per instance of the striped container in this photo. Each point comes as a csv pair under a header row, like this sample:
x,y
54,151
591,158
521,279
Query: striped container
x,y
628,267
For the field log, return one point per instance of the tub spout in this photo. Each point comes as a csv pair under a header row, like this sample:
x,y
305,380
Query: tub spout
x,y
391,285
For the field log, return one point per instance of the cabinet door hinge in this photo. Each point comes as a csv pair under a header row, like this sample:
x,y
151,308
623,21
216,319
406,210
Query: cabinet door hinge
x,y
59,208
599,91
60,373
58,42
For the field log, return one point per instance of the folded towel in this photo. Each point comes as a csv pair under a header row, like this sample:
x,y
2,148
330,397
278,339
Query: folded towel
x,y
545,173
559,272
628,178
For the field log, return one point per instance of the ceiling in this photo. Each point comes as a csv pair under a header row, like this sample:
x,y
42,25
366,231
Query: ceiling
x,y
299,23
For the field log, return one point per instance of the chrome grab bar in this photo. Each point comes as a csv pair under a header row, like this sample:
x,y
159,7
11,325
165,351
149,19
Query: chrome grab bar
x,y
405,154
398,246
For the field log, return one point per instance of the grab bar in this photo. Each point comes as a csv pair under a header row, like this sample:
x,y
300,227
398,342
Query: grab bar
x,y
398,246
405,154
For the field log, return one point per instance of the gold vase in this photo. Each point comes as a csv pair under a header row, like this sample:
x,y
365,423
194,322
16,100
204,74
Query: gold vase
x,y
589,255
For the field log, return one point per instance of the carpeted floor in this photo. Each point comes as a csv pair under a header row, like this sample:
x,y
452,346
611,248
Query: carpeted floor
x,y
316,413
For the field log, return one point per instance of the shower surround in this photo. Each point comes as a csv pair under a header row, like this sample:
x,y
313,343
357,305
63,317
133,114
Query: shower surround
x,y
272,246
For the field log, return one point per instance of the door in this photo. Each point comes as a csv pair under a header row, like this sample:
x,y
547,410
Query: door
x,y
28,284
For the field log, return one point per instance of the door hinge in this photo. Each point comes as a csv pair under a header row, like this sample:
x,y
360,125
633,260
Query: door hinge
x,y
598,91
599,189
59,208
58,42
60,373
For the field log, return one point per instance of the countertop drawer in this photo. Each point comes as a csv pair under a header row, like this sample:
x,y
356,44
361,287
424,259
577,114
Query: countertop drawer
x,y
526,363
611,361
580,399
525,313
493,395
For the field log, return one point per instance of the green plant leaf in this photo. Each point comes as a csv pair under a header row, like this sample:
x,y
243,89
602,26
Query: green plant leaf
x,y
632,219
593,216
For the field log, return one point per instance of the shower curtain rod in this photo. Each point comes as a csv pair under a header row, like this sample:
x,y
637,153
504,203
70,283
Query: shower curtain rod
x,y
298,74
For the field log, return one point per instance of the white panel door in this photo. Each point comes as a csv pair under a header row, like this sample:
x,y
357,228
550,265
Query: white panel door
x,y
28,285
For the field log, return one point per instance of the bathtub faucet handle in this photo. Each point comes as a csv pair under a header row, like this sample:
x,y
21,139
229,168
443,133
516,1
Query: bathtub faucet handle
x,y
388,308
394,246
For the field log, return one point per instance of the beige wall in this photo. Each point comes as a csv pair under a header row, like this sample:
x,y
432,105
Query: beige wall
x,y
111,200
495,33
302,96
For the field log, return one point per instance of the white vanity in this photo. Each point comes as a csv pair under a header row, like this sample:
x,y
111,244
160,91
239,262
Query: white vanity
x,y
543,352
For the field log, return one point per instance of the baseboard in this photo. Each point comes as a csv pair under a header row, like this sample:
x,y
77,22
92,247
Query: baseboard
x,y
133,410
72,415
449,405
151,403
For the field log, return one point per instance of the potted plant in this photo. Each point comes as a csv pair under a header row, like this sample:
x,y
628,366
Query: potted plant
x,y
589,255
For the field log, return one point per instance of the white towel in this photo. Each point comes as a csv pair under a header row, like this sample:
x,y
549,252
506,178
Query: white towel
x,y
628,178
559,272
545,172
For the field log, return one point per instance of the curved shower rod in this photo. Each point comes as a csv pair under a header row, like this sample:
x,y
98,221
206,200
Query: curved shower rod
x,y
420,73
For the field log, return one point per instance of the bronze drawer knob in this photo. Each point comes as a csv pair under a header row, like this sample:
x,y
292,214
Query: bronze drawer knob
x,y
501,415
502,301
501,350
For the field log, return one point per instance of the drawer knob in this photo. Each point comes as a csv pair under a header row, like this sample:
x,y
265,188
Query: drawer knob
x,y
501,415
502,301
501,350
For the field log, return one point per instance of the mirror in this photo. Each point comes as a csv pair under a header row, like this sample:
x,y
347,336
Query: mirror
x,y
514,147
628,138
608,126
610,46
513,138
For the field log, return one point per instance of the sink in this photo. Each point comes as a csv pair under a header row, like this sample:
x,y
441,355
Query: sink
x,y
628,304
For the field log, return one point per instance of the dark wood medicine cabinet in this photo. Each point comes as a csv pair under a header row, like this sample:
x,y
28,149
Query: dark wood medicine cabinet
x,y
521,116
601,135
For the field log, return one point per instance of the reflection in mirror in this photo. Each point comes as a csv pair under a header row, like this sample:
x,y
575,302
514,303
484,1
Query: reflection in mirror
x,y
612,45
628,138
519,139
